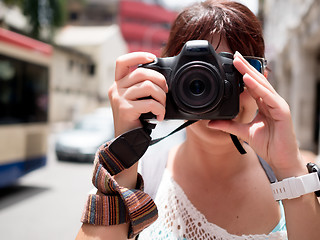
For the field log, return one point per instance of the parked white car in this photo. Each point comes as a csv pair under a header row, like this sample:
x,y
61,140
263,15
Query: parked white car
x,y
81,142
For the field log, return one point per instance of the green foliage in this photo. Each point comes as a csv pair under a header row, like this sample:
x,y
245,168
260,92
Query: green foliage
x,y
53,13
13,2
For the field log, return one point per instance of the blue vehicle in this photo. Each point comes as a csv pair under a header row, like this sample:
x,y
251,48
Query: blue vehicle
x,y
24,86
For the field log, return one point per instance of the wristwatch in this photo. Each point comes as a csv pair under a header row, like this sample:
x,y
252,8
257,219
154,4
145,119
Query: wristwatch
x,y
295,187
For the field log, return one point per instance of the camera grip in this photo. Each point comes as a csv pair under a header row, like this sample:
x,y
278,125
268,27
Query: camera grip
x,y
147,116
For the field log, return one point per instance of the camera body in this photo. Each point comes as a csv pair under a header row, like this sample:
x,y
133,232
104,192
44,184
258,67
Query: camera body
x,y
202,84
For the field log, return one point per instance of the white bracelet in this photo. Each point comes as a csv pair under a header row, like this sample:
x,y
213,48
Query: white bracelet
x,y
295,187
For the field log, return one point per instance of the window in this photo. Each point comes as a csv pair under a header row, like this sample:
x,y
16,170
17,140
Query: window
x,y
91,69
23,91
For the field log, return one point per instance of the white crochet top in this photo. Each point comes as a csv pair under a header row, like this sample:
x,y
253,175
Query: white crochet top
x,y
179,219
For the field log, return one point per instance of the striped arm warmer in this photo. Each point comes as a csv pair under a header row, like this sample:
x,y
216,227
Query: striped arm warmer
x,y
116,204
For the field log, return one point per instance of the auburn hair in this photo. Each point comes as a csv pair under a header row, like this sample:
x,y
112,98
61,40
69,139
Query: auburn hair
x,y
231,21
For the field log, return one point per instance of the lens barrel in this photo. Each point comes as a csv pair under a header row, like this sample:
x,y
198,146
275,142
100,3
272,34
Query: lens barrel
x,y
197,88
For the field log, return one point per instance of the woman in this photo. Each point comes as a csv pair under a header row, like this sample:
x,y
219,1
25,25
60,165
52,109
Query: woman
x,y
224,194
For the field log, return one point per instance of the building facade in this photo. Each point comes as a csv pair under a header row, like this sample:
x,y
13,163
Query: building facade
x,y
73,87
144,26
83,67
91,13
82,60
292,34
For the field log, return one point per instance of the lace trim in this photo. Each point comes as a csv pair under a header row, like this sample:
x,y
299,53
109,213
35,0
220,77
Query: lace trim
x,y
179,219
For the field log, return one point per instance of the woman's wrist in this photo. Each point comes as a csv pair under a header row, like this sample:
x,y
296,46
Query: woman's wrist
x,y
123,126
128,177
120,197
296,167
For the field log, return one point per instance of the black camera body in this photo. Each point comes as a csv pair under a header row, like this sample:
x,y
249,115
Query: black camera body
x,y
202,84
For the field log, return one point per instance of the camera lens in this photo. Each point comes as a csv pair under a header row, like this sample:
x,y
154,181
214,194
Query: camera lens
x,y
197,86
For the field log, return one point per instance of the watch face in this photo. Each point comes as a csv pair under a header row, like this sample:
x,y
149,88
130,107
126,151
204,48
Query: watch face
x,y
312,167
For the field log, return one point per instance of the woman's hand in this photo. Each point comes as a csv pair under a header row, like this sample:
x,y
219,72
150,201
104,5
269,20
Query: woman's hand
x,y
271,133
130,87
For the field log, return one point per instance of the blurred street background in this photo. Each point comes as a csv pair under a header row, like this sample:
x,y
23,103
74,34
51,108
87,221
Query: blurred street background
x,y
57,61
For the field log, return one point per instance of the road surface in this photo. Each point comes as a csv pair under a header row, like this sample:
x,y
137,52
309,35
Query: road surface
x,y
47,203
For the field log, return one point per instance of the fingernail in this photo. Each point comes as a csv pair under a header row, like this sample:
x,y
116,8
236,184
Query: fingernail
x,y
237,54
246,75
151,56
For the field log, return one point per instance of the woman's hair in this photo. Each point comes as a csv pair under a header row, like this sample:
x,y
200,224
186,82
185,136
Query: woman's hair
x,y
230,21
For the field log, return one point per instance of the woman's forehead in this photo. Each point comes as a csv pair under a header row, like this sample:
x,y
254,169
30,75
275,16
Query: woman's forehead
x,y
219,44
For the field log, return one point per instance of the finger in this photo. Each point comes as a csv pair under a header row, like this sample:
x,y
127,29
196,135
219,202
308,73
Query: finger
x,y
125,62
271,104
246,65
146,89
250,89
149,105
243,66
258,91
143,74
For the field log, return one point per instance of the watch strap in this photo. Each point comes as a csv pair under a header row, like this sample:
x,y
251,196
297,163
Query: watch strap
x,y
312,167
295,187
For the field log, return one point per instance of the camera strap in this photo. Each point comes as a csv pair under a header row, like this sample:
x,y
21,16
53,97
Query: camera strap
x,y
148,127
184,125
237,144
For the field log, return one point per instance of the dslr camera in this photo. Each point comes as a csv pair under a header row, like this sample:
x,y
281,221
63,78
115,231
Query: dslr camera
x,y
202,84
